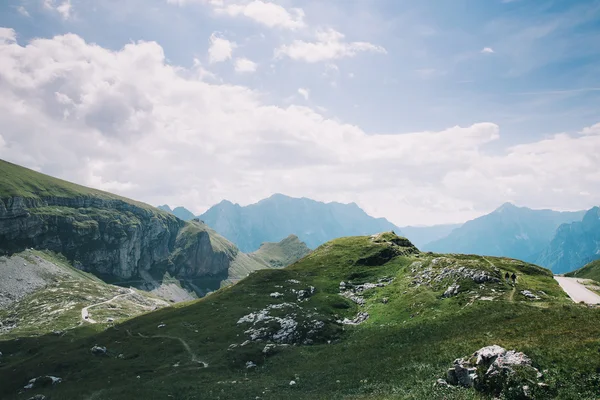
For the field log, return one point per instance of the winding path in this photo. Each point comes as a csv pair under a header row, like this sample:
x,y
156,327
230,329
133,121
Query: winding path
x,y
85,315
186,346
577,291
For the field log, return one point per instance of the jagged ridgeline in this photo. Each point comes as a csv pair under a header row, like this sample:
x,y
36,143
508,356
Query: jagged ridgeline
x,y
367,317
117,239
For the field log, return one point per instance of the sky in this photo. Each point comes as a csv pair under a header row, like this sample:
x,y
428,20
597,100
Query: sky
x,y
422,112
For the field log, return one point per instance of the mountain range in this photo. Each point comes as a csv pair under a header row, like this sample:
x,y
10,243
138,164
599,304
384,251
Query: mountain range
x,y
274,218
545,237
119,239
508,231
68,332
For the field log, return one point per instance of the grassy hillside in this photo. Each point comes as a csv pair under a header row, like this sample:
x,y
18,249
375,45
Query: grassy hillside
x,y
23,182
590,271
47,294
411,337
284,253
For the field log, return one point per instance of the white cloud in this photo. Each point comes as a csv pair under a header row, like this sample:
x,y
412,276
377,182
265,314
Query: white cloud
x,y
266,13
7,35
269,14
329,45
23,11
245,65
64,8
487,50
129,121
220,49
592,130
304,93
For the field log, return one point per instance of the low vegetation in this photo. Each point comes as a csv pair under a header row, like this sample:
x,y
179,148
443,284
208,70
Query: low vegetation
x,y
294,333
56,304
590,271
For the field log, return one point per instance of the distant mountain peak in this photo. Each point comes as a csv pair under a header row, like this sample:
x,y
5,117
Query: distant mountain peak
x,y
165,207
506,207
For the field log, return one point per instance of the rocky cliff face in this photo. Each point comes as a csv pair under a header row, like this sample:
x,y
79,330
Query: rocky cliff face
x,y
109,237
574,245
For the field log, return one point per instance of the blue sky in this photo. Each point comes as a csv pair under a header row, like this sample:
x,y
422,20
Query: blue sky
x,y
532,69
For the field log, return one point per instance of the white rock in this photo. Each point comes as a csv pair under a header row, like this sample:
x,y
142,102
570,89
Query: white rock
x,y
292,383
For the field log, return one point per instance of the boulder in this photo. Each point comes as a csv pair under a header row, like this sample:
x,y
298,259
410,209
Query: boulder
x,y
98,350
496,371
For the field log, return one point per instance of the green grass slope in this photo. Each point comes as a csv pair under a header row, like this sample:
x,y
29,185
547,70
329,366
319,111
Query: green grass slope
x,y
590,271
281,254
17,181
411,337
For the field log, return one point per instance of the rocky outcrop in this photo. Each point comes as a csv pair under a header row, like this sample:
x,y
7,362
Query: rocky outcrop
x,y
497,372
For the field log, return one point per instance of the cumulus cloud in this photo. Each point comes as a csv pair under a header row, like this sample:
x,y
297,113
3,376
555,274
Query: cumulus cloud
x,y
304,93
487,50
220,49
7,35
266,13
329,45
243,65
130,122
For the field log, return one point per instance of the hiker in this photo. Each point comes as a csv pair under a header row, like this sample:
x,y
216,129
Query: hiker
x,y
507,277
514,278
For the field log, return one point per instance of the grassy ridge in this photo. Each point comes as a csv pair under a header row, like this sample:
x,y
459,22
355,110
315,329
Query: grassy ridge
x,y
590,271
281,254
17,181
405,345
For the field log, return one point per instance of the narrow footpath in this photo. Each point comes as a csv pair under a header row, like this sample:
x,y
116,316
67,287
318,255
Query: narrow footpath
x,y
85,315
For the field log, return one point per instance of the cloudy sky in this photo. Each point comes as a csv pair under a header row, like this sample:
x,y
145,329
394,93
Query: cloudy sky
x,y
423,112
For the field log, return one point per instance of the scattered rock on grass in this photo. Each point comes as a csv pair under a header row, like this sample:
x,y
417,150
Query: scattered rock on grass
x,y
98,350
269,349
451,291
250,364
359,319
42,381
530,295
38,397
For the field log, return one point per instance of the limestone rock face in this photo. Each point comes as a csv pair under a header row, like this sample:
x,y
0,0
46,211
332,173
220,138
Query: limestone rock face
x,y
110,237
